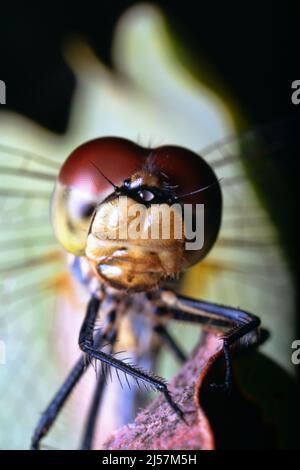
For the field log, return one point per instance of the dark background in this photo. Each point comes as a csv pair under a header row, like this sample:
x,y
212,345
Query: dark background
x,y
252,46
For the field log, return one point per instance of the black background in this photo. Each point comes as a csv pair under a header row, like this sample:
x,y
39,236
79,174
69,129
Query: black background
x,y
252,46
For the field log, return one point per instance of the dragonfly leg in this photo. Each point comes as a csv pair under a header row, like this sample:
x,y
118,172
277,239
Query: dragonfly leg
x,y
86,344
170,342
90,425
49,416
241,323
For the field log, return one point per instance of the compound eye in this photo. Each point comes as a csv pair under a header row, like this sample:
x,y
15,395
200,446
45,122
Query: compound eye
x,y
146,195
71,215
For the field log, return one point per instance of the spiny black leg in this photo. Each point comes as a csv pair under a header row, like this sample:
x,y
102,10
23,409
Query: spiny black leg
x,y
170,342
134,371
86,344
227,384
87,328
50,414
87,440
216,314
191,310
89,428
187,317
230,338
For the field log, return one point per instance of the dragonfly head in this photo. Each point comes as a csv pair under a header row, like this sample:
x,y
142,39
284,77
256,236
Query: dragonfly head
x,y
139,215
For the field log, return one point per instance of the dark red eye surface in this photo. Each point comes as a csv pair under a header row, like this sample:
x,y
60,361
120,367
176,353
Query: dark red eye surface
x,y
118,159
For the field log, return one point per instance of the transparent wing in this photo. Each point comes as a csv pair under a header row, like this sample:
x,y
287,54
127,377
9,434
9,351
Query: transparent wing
x,y
29,268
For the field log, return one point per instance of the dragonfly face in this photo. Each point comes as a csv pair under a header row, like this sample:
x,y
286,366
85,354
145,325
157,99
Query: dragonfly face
x,y
109,186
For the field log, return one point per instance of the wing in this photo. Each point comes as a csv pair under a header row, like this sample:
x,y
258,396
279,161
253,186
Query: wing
x,y
30,269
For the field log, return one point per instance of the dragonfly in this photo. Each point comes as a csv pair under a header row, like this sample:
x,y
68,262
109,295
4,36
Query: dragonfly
x,y
135,281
